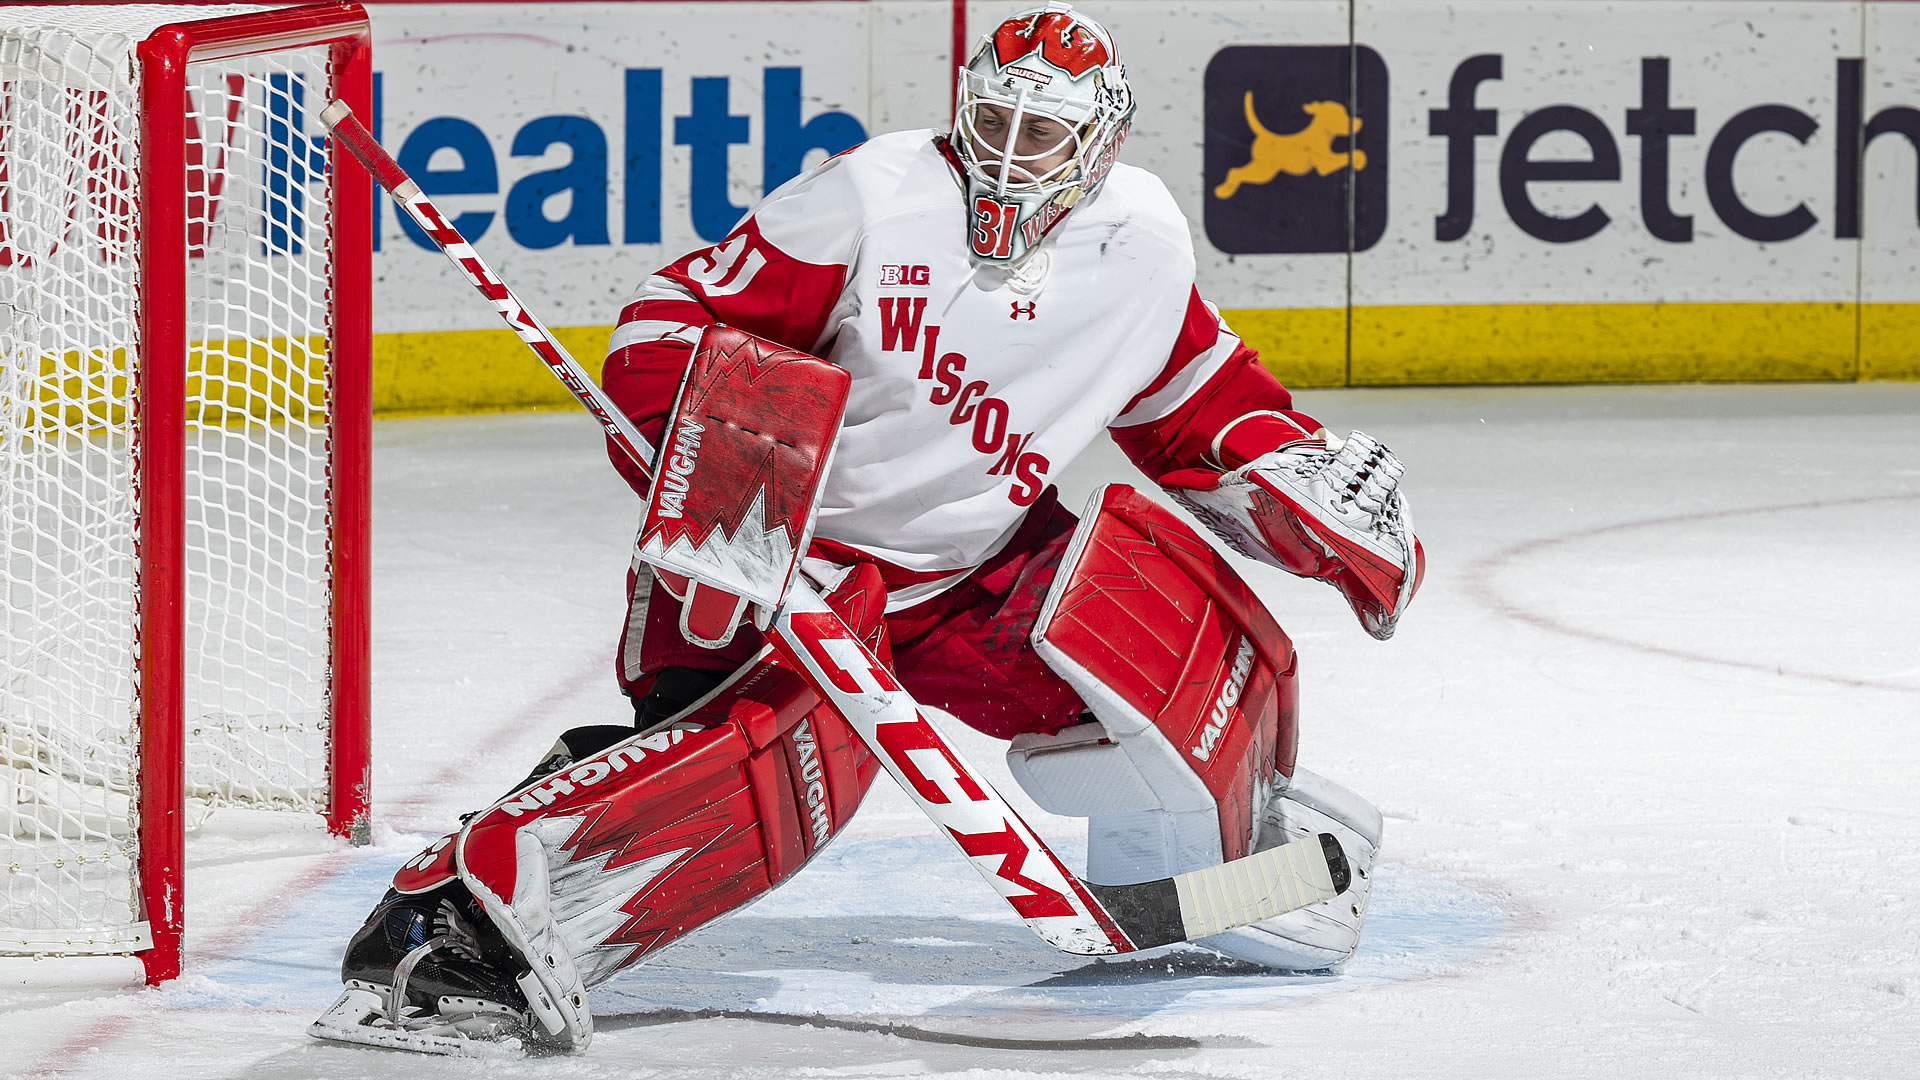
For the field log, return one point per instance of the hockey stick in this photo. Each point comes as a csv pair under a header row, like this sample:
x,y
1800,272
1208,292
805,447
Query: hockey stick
x,y
1071,915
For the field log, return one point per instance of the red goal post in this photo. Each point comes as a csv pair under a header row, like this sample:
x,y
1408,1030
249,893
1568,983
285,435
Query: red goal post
x,y
185,453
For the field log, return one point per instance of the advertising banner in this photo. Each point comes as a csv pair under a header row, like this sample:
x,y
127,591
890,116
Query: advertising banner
x,y
1380,191
582,146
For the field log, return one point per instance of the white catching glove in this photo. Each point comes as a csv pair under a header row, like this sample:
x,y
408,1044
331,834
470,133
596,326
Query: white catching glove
x,y
1321,508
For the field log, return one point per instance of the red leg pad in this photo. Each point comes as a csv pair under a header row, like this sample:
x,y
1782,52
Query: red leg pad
x,y
664,832
1156,630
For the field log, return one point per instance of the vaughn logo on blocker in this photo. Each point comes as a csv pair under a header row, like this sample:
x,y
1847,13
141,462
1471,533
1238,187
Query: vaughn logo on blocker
x,y
1289,129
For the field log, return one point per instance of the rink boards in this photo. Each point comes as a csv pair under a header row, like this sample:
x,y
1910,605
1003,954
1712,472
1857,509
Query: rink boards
x,y
1543,192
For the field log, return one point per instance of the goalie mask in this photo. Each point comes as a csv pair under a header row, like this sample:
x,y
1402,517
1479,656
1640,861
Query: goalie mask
x,y
1043,107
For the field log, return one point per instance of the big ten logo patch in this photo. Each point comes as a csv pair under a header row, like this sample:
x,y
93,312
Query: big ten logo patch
x,y
1296,149
894,274
964,402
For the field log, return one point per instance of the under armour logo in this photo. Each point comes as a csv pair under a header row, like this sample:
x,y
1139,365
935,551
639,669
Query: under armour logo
x,y
1025,309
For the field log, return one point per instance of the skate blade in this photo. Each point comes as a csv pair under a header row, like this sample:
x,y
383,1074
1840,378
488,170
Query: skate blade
x,y
471,1030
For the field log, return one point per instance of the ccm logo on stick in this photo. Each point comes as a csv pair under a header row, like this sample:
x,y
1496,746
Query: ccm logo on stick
x,y
840,657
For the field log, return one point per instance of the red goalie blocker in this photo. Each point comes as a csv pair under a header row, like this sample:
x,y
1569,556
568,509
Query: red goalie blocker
x,y
741,461
664,832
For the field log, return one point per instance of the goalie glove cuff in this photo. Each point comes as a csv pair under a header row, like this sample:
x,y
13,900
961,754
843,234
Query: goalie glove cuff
x,y
1253,435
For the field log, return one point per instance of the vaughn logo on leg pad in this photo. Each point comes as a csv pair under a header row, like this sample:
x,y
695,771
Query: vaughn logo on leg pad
x,y
590,773
677,477
812,775
1223,706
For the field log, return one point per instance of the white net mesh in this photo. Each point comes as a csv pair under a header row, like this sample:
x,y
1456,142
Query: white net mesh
x,y
257,548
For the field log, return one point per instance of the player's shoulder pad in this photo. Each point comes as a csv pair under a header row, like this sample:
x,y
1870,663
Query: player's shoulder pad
x,y
820,215
1133,208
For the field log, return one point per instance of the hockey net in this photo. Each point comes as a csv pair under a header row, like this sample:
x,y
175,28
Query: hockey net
x,y
182,451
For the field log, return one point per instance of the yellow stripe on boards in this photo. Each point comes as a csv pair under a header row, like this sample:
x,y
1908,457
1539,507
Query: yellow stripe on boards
x,y
276,380
1890,341
228,382
492,370
1303,347
459,371
1603,343
1405,345
72,391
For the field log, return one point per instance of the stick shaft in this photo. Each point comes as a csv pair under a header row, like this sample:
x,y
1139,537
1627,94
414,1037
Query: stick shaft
x,y
1006,852
361,143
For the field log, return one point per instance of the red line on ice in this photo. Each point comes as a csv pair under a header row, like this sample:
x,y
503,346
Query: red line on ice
x,y
225,943
1480,585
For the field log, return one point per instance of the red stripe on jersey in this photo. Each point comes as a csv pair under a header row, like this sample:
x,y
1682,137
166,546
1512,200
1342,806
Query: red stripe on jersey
x,y
746,281
945,146
642,380
1183,438
1198,334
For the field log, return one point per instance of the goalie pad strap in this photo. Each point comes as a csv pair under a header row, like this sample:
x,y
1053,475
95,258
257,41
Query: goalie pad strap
x,y
1191,678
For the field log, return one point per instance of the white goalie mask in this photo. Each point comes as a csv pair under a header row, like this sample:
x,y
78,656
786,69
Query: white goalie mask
x,y
1043,106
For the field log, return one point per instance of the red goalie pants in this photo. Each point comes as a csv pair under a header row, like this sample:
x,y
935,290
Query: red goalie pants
x,y
965,650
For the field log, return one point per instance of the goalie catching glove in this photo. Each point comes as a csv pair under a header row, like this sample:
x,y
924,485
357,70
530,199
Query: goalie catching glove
x,y
1322,508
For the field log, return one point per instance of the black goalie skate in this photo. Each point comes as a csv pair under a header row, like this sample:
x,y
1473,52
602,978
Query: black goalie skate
x,y
427,972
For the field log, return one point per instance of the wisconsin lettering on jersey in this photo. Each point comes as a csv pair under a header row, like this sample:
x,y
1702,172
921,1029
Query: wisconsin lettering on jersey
x,y
972,401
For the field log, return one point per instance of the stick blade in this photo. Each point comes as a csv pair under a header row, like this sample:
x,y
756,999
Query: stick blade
x,y
1237,893
1274,882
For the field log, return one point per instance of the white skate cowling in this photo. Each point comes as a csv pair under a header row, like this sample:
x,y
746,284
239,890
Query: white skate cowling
x,y
1323,935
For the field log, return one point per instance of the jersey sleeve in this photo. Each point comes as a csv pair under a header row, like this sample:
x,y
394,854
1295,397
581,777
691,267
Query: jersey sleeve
x,y
777,275
1214,405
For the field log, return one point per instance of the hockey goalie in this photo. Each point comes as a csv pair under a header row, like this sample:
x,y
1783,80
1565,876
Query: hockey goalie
x,y
868,385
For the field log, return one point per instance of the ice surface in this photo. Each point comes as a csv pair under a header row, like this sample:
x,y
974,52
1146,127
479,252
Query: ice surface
x,y
1646,744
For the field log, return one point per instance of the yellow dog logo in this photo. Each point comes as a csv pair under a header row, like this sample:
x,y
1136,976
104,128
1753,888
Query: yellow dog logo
x,y
1308,150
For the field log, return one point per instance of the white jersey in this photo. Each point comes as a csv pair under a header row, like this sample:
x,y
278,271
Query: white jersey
x,y
971,387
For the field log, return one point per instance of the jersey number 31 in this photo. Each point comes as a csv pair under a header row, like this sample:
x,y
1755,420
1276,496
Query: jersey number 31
x,y
993,224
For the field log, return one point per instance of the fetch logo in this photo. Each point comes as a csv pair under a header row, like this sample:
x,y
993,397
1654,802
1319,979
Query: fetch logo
x,y
1666,131
676,478
1292,130
1223,706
